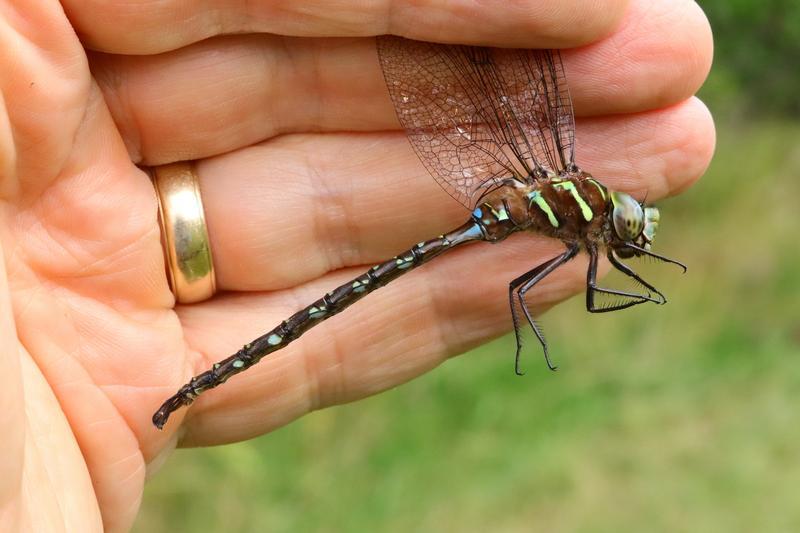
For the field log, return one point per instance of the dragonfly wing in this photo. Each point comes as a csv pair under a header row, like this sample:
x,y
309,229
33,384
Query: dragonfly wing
x,y
476,116
539,95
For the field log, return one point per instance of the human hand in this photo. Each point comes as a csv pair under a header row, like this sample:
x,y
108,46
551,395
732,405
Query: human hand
x,y
316,182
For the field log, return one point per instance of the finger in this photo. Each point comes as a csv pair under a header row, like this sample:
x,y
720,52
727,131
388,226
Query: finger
x,y
292,209
12,416
252,88
171,24
39,448
44,69
660,55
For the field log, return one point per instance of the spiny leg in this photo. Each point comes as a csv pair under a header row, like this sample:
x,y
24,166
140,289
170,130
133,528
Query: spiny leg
x,y
642,251
592,289
517,289
515,317
512,289
628,271
536,330
513,298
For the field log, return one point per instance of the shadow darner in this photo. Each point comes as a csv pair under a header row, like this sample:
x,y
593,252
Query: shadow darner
x,y
495,128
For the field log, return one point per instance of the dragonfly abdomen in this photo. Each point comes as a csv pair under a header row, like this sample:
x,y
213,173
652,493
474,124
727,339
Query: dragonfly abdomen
x,y
332,303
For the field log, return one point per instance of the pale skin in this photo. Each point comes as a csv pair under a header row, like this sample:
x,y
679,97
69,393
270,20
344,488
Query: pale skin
x,y
316,184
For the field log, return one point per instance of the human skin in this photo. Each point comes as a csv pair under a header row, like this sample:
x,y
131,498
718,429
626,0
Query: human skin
x,y
316,183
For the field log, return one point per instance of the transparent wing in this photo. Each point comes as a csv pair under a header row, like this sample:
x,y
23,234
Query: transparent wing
x,y
476,116
545,106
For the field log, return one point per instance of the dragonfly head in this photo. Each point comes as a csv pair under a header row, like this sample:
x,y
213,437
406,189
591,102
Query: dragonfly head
x,y
632,223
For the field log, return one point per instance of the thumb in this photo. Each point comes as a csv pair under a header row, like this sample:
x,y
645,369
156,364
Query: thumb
x,y
44,483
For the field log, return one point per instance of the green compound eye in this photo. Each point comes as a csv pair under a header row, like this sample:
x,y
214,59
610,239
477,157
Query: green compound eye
x,y
628,216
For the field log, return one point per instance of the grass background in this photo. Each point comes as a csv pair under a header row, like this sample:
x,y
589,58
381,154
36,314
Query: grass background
x,y
676,418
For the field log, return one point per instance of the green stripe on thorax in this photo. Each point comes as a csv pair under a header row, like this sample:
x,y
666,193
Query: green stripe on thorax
x,y
599,186
568,186
535,197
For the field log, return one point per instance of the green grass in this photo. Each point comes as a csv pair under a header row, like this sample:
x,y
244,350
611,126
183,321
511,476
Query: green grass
x,y
678,418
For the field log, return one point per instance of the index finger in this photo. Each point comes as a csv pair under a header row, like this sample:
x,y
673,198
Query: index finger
x,y
155,27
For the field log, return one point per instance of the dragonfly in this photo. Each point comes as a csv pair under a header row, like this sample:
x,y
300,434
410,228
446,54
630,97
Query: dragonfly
x,y
496,129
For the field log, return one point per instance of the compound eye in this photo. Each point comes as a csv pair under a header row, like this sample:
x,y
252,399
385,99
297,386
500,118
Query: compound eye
x,y
628,216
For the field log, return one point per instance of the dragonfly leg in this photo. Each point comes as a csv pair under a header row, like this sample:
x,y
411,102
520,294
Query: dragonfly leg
x,y
625,269
516,291
512,287
629,298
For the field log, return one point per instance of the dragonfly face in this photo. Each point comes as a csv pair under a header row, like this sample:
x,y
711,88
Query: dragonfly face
x,y
632,223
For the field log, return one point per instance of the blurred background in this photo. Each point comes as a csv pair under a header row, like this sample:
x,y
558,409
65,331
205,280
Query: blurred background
x,y
679,418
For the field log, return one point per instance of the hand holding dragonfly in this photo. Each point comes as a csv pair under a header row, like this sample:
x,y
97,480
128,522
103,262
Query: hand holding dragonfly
x,y
316,182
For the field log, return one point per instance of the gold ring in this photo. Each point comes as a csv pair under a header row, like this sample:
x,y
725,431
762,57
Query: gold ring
x,y
184,236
